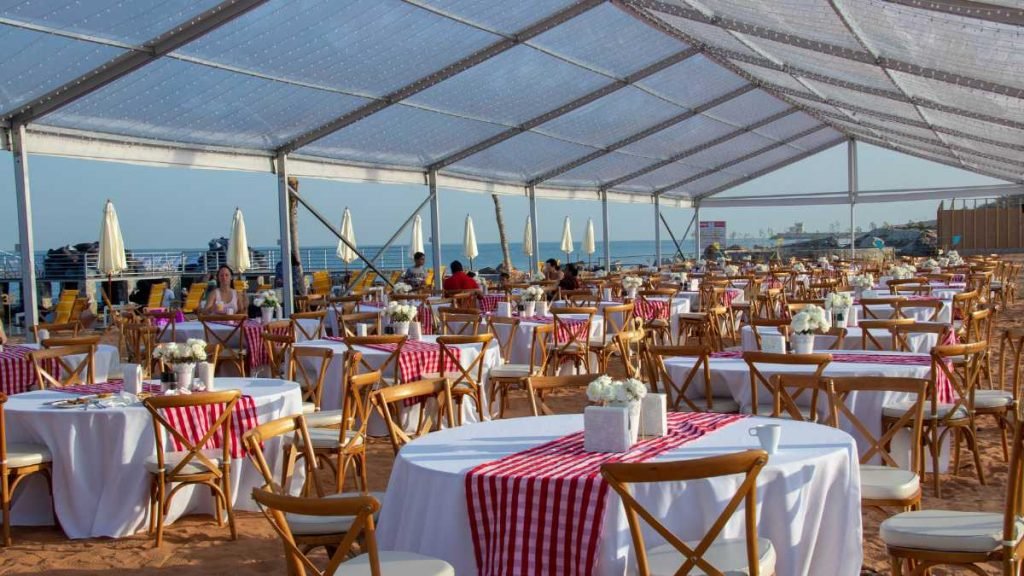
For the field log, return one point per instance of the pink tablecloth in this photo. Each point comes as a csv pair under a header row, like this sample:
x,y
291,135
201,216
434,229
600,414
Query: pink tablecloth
x,y
540,511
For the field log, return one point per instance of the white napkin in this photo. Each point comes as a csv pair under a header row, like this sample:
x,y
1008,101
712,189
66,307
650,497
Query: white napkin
x,y
504,309
774,343
694,285
653,415
607,295
132,378
415,330
204,370
606,429
361,329
542,308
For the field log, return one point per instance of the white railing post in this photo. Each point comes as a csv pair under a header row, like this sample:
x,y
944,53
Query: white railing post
x,y
284,223
435,227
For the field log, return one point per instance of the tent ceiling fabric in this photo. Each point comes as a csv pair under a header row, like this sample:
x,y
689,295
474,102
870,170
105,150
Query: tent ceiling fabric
x,y
679,98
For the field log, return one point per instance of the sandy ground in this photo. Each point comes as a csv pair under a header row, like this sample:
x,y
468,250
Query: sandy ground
x,y
196,546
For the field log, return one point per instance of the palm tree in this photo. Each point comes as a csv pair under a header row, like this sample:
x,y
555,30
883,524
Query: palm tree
x,y
500,217
298,283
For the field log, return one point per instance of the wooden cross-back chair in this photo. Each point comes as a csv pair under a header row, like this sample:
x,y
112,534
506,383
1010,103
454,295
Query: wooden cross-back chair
x,y
461,298
888,483
962,541
140,341
502,378
697,376
713,554
758,379
347,323
360,511
345,304
310,379
579,298
1011,350
63,330
895,285
963,304
902,332
459,321
66,371
571,337
194,464
631,345
232,342
316,332
279,347
389,401
788,389
660,327
887,304
905,308
19,461
165,322
389,367
616,318
781,325
537,386
467,379
870,340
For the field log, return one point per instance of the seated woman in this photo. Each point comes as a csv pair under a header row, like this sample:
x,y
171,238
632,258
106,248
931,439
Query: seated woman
x,y
570,280
552,270
224,299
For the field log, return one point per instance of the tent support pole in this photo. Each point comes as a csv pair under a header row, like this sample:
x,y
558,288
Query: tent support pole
x,y
696,229
23,191
533,230
435,227
394,237
657,231
604,232
851,168
285,225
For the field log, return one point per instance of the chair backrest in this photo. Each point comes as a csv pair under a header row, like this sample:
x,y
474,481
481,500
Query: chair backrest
x,y
1011,350
194,297
211,323
572,332
219,405
748,463
277,508
390,364
156,295
537,385
348,323
902,331
1013,545
869,339
139,342
356,406
630,344
315,332
75,341
241,285
979,325
618,317
788,389
869,307
279,348
55,367
311,380
62,330
504,331
964,379
258,439
579,298
780,324
880,445
389,401
905,308
459,321
758,379
165,322
963,304
676,388
466,373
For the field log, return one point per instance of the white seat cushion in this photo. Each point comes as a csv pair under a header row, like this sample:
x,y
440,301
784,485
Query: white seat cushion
x,y
887,483
308,407
398,563
194,466
728,556
327,438
305,525
323,418
511,371
898,409
992,398
946,530
24,454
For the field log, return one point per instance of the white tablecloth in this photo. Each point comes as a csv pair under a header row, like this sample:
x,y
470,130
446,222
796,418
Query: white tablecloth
x,y
921,343
919,314
100,484
106,364
521,346
808,495
194,329
333,395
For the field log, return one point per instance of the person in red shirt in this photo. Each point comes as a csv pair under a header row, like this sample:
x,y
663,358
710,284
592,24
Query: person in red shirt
x,y
459,280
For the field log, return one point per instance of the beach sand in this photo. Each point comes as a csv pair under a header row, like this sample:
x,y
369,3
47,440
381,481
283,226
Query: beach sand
x,y
195,546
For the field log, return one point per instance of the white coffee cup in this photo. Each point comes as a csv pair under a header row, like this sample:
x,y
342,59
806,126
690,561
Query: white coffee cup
x,y
362,329
768,435
132,378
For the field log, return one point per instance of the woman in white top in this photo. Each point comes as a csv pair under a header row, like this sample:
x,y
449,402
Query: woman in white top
x,y
224,299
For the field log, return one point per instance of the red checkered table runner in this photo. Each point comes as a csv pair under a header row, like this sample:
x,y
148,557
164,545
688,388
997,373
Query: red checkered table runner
x,y
489,302
568,330
944,388
540,511
418,358
257,352
16,372
651,309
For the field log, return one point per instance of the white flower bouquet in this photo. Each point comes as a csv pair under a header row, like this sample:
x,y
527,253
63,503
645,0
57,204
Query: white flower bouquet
x,y
863,281
942,261
267,299
192,351
632,282
838,301
401,288
930,263
604,389
401,312
732,270
903,272
835,257
533,294
811,320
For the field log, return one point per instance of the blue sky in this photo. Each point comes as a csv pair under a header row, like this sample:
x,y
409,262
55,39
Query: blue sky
x,y
181,208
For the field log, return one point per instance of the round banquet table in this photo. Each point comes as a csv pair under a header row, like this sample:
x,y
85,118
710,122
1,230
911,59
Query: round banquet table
x,y
100,484
523,342
920,343
808,495
106,365
194,329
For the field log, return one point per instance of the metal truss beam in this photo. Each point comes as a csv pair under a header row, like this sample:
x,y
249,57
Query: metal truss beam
x,y
128,62
968,8
565,109
555,172
480,56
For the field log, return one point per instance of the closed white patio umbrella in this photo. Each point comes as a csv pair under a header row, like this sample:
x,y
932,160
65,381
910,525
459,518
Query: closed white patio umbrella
x,y
346,254
417,235
238,245
112,259
589,243
528,241
567,239
469,241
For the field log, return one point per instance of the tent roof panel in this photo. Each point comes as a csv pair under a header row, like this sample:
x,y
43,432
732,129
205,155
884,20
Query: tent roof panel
x,y
601,170
662,177
501,17
676,83
690,133
727,151
520,159
605,120
788,126
748,108
980,101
